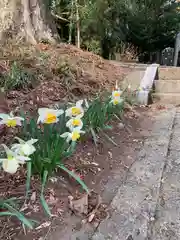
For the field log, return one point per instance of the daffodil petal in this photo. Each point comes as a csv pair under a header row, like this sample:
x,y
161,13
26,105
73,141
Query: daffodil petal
x,y
68,124
64,135
43,110
69,137
32,141
15,146
2,122
59,112
10,166
8,150
18,121
79,103
41,118
4,116
28,149
68,112
22,159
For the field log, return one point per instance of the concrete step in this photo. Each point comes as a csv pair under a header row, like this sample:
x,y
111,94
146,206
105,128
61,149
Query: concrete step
x,y
168,98
164,86
169,73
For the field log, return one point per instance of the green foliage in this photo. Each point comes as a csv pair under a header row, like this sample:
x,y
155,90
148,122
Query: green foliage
x,y
92,45
150,25
158,21
8,208
100,111
50,148
17,78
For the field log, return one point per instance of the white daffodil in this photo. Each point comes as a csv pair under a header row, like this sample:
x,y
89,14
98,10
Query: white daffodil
x,y
72,136
10,120
116,100
116,93
74,123
48,115
75,111
12,162
24,148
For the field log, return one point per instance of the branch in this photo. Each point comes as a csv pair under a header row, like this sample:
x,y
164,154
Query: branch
x,y
59,17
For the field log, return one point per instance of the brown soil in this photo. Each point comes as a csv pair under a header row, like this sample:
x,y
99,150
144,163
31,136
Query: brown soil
x,y
97,165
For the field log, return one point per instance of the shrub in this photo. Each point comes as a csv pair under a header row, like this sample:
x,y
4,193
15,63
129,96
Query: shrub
x,y
17,78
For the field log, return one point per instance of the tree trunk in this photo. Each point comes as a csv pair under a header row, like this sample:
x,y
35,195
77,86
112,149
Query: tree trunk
x,y
26,20
78,44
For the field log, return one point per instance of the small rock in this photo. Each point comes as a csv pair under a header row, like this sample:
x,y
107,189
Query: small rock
x,y
120,125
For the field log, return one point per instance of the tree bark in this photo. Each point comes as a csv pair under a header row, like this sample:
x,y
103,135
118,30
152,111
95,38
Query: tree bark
x,y
26,20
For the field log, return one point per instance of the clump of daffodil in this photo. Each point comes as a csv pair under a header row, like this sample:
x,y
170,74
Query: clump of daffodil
x,y
48,115
12,162
10,120
73,136
25,148
76,110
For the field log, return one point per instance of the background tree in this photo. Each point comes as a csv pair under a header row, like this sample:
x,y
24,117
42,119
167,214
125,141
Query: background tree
x,y
152,24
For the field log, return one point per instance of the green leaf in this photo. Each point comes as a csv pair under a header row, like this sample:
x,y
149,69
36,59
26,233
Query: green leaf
x,y
108,127
19,215
45,206
94,136
83,185
2,214
28,180
43,201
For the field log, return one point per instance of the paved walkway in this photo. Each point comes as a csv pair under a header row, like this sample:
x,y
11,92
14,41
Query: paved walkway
x,y
147,205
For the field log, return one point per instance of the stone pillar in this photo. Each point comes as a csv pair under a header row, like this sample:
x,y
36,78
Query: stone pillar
x,y
176,49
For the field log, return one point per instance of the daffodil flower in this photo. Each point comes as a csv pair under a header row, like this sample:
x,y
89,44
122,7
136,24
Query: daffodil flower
x,y
24,148
75,111
10,120
72,136
116,93
13,161
48,115
74,123
116,100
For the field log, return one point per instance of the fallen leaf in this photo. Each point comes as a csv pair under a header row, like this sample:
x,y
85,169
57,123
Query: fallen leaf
x,y
53,179
52,200
33,197
95,164
80,205
110,154
91,217
43,225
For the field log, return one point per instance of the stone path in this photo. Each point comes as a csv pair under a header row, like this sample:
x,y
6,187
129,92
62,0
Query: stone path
x,y
147,205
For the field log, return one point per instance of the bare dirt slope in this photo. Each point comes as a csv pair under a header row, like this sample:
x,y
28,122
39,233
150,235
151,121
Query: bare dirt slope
x,y
60,71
